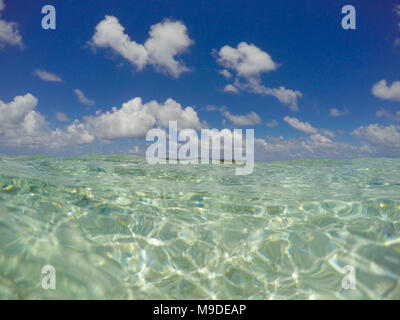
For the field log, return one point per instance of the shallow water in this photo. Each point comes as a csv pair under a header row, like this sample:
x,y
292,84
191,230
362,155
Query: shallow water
x,y
115,227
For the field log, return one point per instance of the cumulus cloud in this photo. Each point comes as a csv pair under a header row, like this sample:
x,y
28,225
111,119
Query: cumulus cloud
x,y
22,125
380,136
301,126
166,40
334,112
47,76
83,99
285,96
16,111
272,124
383,91
327,133
248,119
62,117
308,128
313,146
135,118
248,62
231,88
9,33
225,73
388,114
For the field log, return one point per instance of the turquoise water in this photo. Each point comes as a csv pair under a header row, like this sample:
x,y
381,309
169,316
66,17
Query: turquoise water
x,y
114,227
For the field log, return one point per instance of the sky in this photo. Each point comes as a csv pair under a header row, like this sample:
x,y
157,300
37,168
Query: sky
x,y
112,70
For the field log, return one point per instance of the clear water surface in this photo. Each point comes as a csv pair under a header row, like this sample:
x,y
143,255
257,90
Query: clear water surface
x,y
115,227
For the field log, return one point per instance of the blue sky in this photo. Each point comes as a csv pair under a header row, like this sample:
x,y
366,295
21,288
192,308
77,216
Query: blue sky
x,y
341,96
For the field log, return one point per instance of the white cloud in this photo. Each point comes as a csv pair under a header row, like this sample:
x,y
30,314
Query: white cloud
x,y
249,119
249,62
15,111
134,119
380,136
246,59
225,73
327,133
313,146
21,125
286,96
83,99
301,126
383,91
231,88
62,117
382,113
318,141
166,40
334,112
272,124
75,134
110,34
388,114
211,108
397,9
9,33
47,76
308,128
378,141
